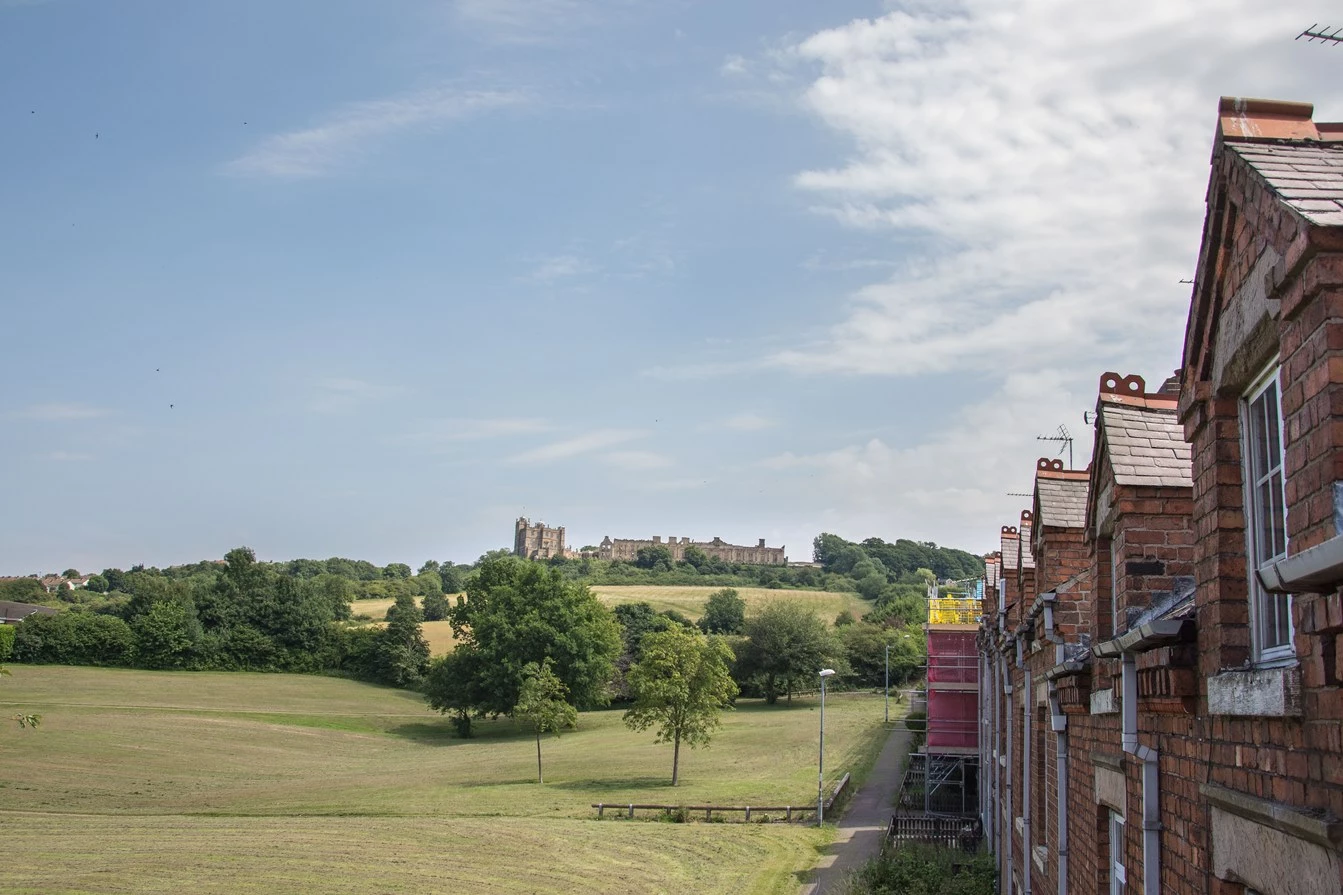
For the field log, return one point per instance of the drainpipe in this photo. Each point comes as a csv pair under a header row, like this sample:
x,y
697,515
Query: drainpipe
x,y
1026,853
991,704
1059,721
1151,814
1007,777
1060,725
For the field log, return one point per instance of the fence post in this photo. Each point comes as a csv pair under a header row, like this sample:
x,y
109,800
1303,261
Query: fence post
x,y
708,814
600,808
631,812
748,814
789,816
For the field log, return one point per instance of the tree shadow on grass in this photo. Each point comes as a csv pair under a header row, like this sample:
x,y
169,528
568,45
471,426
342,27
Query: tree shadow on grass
x,y
597,787
443,733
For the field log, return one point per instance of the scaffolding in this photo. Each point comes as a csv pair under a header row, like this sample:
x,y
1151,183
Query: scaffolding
x,y
943,776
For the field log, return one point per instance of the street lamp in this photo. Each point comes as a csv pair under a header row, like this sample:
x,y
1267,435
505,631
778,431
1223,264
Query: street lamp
x,y
820,768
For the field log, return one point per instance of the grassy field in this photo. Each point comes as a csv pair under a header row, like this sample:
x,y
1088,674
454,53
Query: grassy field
x,y
149,781
691,600
438,634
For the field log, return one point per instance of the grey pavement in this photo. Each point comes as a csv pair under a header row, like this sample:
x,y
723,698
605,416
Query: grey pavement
x,y
860,831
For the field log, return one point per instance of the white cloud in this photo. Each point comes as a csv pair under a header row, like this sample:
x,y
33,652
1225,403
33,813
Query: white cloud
x,y
342,395
748,422
637,460
62,412
334,143
582,444
1047,161
560,267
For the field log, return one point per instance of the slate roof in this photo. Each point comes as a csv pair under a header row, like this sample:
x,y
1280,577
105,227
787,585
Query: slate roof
x,y
1146,446
1063,502
1027,557
991,572
1010,542
12,612
1307,176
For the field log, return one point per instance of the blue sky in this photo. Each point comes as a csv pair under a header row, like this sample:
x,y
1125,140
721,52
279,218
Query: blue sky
x,y
345,278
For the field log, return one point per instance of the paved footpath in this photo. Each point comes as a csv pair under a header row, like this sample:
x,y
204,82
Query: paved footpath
x,y
862,827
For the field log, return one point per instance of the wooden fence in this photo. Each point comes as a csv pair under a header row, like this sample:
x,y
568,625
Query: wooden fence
x,y
961,833
790,812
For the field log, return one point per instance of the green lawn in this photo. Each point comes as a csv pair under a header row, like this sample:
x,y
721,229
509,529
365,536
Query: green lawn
x,y
148,781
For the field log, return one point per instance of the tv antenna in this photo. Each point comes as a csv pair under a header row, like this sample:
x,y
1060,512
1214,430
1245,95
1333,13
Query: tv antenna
x,y
1324,35
1018,494
1064,436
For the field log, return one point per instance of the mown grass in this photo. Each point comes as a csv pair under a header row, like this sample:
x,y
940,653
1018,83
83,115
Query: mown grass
x,y
691,600
159,781
55,854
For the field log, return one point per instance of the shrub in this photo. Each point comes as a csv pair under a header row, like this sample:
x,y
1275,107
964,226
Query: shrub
x,y
6,641
924,870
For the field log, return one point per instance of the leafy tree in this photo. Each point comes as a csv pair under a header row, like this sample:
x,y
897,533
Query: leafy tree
x,y
452,686
724,613
23,590
70,573
785,643
396,570
516,612
436,607
428,584
430,565
98,584
654,557
865,650
115,579
451,578
696,557
165,634
845,617
402,655
73,638
637,620
542,705
680,686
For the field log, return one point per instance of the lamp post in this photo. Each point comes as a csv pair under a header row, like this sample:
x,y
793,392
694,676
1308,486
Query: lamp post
x,y
820,765
888,683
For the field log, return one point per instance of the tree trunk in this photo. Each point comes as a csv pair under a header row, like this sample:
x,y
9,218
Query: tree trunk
x,y
538,758
676,758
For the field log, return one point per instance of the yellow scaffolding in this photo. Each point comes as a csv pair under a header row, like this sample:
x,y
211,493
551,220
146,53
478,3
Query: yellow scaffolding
x,y
953,611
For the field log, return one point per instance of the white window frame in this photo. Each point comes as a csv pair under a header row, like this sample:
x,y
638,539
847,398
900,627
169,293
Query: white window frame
x,y
1270,473
1118,875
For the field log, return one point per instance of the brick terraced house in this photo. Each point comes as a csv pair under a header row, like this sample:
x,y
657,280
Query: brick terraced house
x,y
1162,709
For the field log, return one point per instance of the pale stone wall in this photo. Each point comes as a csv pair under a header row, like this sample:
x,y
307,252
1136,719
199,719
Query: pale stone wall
x,y
627,550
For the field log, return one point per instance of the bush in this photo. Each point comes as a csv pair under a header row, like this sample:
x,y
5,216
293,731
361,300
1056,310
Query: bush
x,y
924,870
74,638
6,641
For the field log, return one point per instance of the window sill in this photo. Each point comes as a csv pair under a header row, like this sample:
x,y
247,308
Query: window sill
x,y
1041,855
1259,692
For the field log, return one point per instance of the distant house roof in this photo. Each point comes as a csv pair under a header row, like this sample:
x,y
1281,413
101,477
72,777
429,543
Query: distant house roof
x,y
1024,541
12,613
